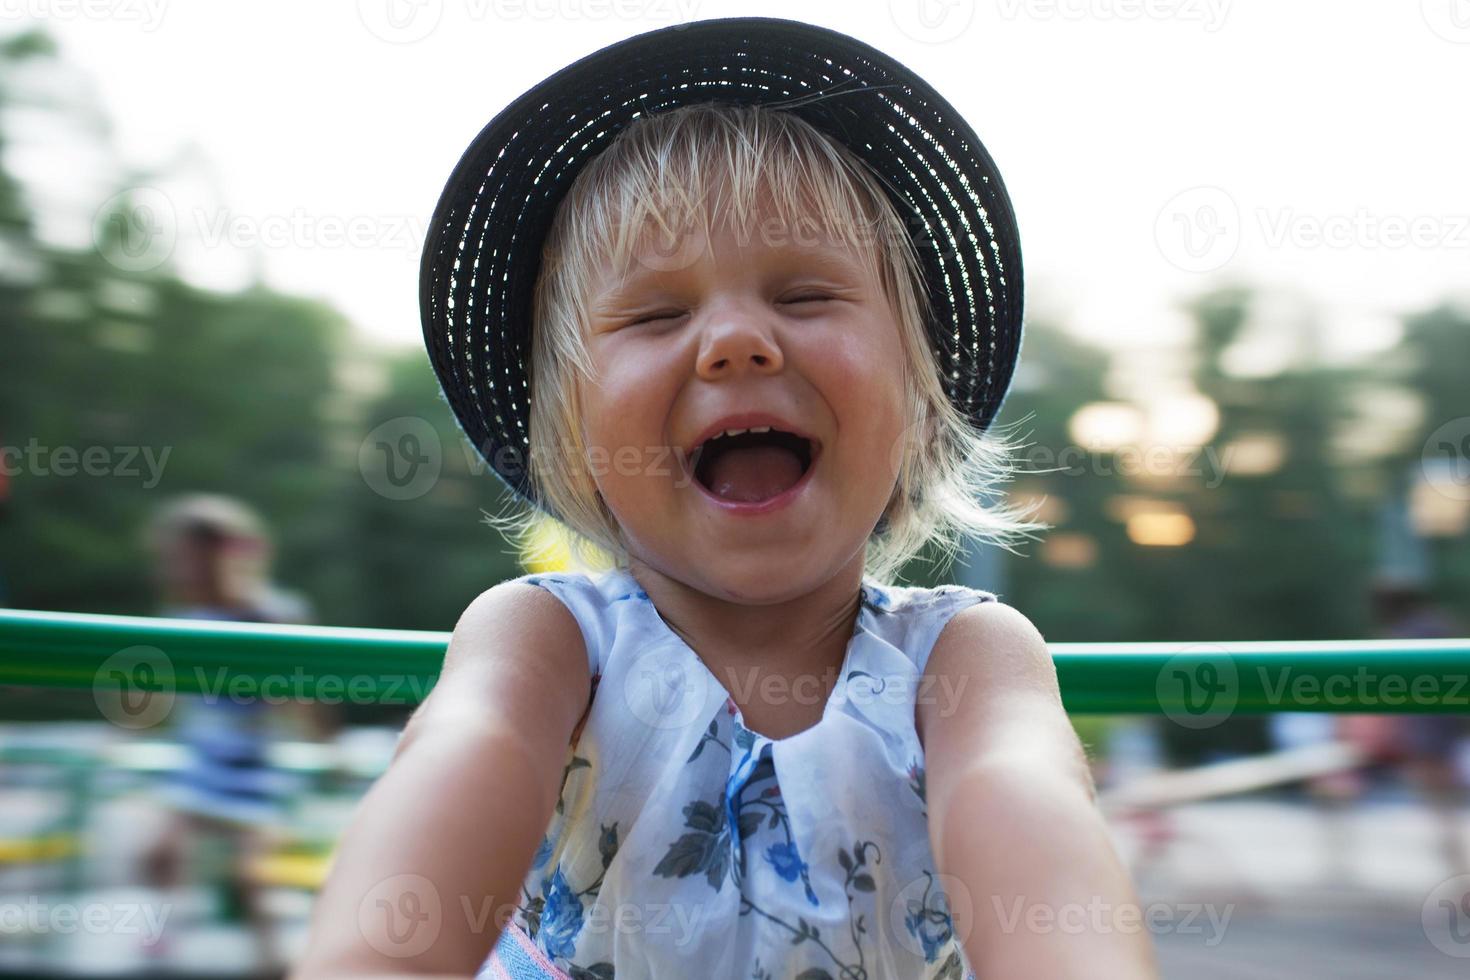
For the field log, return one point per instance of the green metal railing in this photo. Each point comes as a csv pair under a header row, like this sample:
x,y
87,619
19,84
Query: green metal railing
x,y
1190,682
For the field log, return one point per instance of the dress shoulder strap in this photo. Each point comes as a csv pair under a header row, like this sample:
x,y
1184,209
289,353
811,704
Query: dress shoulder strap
x,y
583,595
913,617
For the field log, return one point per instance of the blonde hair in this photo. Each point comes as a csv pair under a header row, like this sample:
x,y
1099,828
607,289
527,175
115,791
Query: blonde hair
x,y
715,159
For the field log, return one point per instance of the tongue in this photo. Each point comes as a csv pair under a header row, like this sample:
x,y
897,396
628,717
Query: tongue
x,y
754,473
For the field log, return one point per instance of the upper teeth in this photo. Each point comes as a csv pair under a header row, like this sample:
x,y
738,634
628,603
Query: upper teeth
x,y
737,432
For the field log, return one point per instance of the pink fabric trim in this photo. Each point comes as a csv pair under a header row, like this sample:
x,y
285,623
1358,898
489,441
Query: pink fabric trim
x,y
534,951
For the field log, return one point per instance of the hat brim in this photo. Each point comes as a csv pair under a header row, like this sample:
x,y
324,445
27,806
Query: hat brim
x,y
482,253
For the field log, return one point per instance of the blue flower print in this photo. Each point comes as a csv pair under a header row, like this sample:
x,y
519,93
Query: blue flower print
x,y
753,762
543,853
929,922
790,866
561,918
876,598
785,860
931,931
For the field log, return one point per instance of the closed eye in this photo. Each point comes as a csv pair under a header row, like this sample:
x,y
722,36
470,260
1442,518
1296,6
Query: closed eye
x,y
656,317
805,298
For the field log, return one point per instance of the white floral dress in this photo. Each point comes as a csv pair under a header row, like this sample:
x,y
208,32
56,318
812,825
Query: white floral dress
x,y
686,845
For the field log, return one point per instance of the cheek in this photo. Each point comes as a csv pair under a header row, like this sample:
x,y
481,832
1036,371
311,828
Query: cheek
x,y
862,382
624,417
862,375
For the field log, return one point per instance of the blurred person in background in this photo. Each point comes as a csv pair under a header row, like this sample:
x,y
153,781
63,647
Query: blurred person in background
x,y
1423,749
212,558
1426,745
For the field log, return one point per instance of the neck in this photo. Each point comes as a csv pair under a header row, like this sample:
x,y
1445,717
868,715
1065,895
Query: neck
x,y
803,636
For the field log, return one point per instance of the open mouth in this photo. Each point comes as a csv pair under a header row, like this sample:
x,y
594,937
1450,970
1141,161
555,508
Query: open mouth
x,y
753,465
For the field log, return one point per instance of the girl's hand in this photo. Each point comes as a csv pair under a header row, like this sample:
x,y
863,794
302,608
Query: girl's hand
x,y
434,860
1012,812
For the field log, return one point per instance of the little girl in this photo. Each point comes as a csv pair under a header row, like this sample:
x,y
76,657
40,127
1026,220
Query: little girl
x,y
736,302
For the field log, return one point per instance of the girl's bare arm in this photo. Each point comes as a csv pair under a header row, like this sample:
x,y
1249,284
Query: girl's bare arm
x,y
1012,813
437,850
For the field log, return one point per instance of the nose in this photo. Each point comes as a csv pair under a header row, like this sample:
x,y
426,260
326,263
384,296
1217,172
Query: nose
x,y
735,341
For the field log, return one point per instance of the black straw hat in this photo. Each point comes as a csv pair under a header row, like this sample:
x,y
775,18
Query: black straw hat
x,y
482,253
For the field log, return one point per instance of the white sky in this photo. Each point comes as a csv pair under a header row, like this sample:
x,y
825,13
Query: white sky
x,y
1345,119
